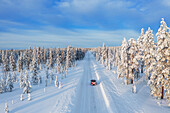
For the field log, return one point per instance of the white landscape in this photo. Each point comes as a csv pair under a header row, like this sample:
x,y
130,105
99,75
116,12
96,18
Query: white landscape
x,y
84,56
76,95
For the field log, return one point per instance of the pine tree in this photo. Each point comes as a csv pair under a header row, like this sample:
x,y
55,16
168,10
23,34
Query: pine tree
x,y
12,62
68,58
149,53
26,84
35,73
51,59
20,63
132,50
9,83
123,67
21,79
140,52
103,57
109,59
162,57
6,65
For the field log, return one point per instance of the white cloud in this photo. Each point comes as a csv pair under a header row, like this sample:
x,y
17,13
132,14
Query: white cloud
x,y
56,37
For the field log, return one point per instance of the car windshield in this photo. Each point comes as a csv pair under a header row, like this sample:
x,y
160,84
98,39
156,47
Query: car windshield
x,y
93,80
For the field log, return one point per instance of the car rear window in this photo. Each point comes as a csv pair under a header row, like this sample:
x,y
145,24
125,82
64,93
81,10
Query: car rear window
x,y
93,80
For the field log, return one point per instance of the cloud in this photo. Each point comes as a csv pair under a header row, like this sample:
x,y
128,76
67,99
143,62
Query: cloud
x,y
92,14
57,37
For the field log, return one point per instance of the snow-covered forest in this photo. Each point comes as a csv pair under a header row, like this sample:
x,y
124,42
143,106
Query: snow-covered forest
x,y
54,77
15,65
142,58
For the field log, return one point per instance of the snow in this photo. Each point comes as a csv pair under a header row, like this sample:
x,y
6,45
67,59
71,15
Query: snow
x,y
76,95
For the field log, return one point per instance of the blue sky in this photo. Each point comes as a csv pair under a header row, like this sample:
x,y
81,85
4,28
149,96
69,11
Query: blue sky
x,y
80,23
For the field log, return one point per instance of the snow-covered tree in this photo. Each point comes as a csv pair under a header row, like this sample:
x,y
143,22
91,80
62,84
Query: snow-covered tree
x,y
132,50
160,79
123,68
68,58
103,57
12,62
6,65
21,79
140,52
35,73
9,83
51,77
51,59
109,59
20,63
149,53
39,79
26,84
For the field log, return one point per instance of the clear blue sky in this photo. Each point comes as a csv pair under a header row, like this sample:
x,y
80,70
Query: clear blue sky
x,y
84,23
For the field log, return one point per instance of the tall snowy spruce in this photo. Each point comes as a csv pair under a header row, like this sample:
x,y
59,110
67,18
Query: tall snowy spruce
x,y
132,50
9,83
122,70
20,63
12,62
68,58
160,76
140,52
35,73
103,57
26,84
6,64
109,59
149,53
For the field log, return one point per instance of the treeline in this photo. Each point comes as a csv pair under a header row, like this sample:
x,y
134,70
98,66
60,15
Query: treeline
x,y
15,63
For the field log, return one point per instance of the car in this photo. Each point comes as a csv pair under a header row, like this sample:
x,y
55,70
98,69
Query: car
x,y
93,82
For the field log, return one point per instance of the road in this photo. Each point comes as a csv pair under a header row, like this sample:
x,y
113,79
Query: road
x,y
91,99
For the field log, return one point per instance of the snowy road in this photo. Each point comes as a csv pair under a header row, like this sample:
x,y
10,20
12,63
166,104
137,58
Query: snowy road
x,y
89,98
96,99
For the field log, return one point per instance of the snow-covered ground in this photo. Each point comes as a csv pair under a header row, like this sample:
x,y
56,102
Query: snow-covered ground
x,y
78,96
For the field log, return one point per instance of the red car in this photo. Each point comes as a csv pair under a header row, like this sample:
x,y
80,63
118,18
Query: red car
x,y
93,82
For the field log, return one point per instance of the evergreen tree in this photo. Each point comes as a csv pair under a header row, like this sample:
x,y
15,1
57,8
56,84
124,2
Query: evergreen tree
x,y
12,62
9,83
160,76
103,57
132,50
35,73
6,65
123,67
149,53
109,59
20,63
26,84
140,52
68,58
21,80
